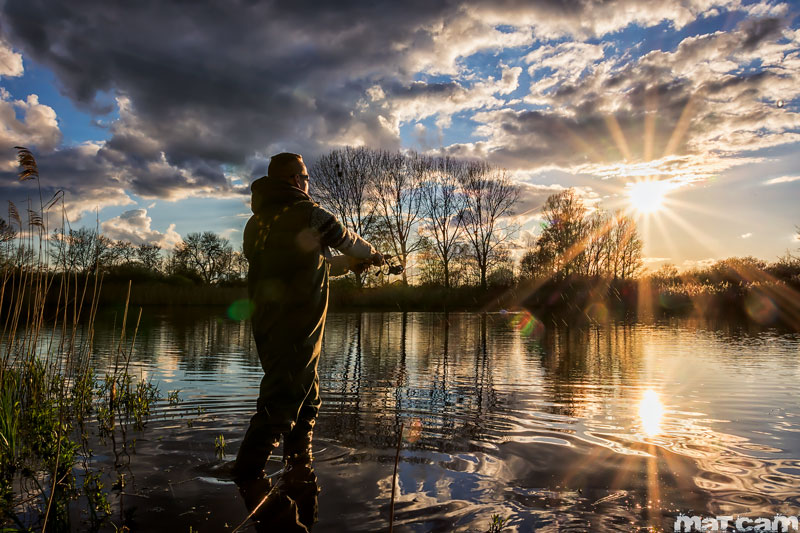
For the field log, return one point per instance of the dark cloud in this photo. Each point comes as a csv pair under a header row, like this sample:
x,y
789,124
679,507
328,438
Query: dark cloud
x,y
759,30
205,87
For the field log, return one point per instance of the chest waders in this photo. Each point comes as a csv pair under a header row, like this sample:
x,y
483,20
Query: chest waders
x,y
288,287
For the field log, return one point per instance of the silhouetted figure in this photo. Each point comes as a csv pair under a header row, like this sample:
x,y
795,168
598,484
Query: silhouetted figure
x,y
287,242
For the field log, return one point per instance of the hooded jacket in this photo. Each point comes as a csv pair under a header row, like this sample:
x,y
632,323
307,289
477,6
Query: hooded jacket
x,y
286,242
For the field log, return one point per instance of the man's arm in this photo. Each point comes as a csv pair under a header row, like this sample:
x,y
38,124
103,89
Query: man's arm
x,y
334,235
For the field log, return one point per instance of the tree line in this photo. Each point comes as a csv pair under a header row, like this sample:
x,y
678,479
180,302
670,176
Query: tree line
x,y
452,219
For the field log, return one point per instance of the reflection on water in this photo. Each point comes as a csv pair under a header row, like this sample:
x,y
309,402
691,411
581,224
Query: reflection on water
x,y
555,427
651,411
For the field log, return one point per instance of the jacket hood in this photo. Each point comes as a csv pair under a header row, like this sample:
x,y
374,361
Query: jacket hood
x,y
270,191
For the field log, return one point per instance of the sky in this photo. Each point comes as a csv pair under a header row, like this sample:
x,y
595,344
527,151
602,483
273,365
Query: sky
x,y
153,117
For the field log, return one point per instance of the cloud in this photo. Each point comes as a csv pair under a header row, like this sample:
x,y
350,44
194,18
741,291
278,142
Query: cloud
x,y
782,179
650,260
689,113
10,62
532,198
37,128
89,183
197,105
745,235
135,226
689,264
398,103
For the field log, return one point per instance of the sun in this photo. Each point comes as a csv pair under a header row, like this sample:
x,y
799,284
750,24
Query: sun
x,y
647,196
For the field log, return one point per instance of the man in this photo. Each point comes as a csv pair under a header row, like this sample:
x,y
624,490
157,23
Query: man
x,y
287,242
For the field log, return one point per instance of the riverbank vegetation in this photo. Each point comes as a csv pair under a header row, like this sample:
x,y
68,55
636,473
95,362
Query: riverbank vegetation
x,y
53,404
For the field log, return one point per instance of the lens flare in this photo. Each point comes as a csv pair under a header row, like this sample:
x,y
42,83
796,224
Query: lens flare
x,y
527,324
597,312
651,412
240,309
760,308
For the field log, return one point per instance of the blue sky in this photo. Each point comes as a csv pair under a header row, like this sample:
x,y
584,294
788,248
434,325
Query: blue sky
x,y
155,118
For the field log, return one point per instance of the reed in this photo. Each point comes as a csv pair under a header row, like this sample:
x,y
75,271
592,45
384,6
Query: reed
x,y
50,396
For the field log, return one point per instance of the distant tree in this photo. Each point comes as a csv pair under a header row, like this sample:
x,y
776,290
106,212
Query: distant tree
x,y
399,202
560,246
239,266
80,250
574,242
121,252
430,267
443,209
596,252
7,232
737,270
206,254
666,274
149,255
7,235
624,248
489,196
786,268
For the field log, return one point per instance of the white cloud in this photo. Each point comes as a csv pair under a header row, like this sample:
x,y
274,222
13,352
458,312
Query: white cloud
x,y
650,260
10,62
698,263
135,226
782,179
37,129
400,104
745,235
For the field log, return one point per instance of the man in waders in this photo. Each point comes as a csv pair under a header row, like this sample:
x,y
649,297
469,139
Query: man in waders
x,y
287,242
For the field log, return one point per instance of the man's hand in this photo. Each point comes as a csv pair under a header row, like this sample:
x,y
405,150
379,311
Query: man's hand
x,y
360,265
377,259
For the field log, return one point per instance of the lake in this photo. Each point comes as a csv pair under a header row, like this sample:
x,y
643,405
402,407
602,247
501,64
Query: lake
x,y
614,427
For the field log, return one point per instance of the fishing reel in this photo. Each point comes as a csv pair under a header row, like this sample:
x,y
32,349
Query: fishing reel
x,y
388,268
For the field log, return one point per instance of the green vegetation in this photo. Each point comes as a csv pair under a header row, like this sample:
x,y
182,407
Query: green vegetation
x,y
497,524
219,446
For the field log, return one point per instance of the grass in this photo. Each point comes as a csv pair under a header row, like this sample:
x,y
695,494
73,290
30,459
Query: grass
x,y
219,446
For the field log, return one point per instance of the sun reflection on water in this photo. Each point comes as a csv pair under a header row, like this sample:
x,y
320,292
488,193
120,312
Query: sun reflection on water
x,y
651,412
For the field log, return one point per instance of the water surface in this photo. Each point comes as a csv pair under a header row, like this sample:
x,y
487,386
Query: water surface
x,y
555,428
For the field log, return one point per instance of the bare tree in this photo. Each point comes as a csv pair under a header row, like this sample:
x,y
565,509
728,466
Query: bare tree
x,y
489,196
573,242
399,201
624,248
443,208
80,250
121,252
565,228
597,243
149,255
207,254
239,265
7,235
343,181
